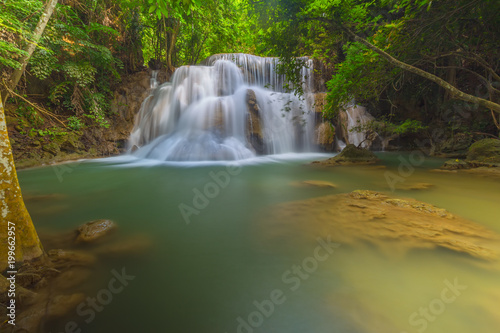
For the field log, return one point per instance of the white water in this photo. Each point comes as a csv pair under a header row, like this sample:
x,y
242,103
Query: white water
x,y
357,116
203,113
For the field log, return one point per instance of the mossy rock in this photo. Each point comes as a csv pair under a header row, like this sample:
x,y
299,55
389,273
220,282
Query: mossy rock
x,y
51,148
456,146
351,155
486,151
455,165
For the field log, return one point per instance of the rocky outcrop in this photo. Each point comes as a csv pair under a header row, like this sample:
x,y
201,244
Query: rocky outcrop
x,y
485,151
254,125
455,147
482,154
325,136
350,155
393,225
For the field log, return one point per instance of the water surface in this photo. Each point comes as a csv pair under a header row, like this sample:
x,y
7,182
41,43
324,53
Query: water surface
x,y
211,269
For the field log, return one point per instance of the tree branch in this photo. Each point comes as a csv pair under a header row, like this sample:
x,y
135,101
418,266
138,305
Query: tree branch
x,y
442,83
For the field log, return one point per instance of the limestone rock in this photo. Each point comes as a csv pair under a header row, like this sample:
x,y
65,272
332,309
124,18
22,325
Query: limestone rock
x,y
486,151
254,124
56,307
455,165
315,183
456,146
325,136
94,230
393,225
63,258
350,155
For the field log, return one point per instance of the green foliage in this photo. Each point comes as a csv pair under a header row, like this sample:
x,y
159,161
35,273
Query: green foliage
x,y
29,113
16,23
51,132
387,128
75,123
97,104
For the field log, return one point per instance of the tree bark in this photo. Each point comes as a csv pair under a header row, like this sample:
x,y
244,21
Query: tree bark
x,y
31,46
452,90
172,27
13,212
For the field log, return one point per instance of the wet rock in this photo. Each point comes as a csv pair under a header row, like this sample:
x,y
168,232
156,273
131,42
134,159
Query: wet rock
x,y
350,155
94,230
23,295
314,183
254,123
456,147
391,224
72,278
53,308
492,173
137,245
28,279
325,136
455,165
485,151
65,258
414,186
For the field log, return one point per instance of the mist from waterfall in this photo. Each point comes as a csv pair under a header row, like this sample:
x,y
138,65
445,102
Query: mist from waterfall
x,y
232,107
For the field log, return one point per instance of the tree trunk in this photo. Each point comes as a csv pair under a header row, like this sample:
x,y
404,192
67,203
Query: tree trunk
x,y
31,46
172,27
452,90
13,213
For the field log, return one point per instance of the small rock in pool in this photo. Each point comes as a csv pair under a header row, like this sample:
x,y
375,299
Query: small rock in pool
x,y
94,230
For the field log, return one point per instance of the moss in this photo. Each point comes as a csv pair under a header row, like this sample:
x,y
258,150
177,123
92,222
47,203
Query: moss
x,y
351,152
52,148
455,164
487,151
351,155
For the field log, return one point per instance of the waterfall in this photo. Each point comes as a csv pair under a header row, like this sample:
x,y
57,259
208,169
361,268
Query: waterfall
x,y
231,107
357,116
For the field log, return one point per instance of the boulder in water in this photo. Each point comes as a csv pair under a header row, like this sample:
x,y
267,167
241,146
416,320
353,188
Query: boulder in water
x,y
94,230
350,155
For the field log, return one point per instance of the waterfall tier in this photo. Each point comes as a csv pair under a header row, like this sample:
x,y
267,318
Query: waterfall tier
x,y
232,107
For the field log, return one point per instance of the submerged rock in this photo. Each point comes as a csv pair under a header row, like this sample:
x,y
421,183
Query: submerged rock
x,y
55,307
394,225
94,230
316,183
64,259
350,155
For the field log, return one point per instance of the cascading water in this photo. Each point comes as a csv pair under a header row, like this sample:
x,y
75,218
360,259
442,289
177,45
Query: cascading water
x,y
357,117
233,107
